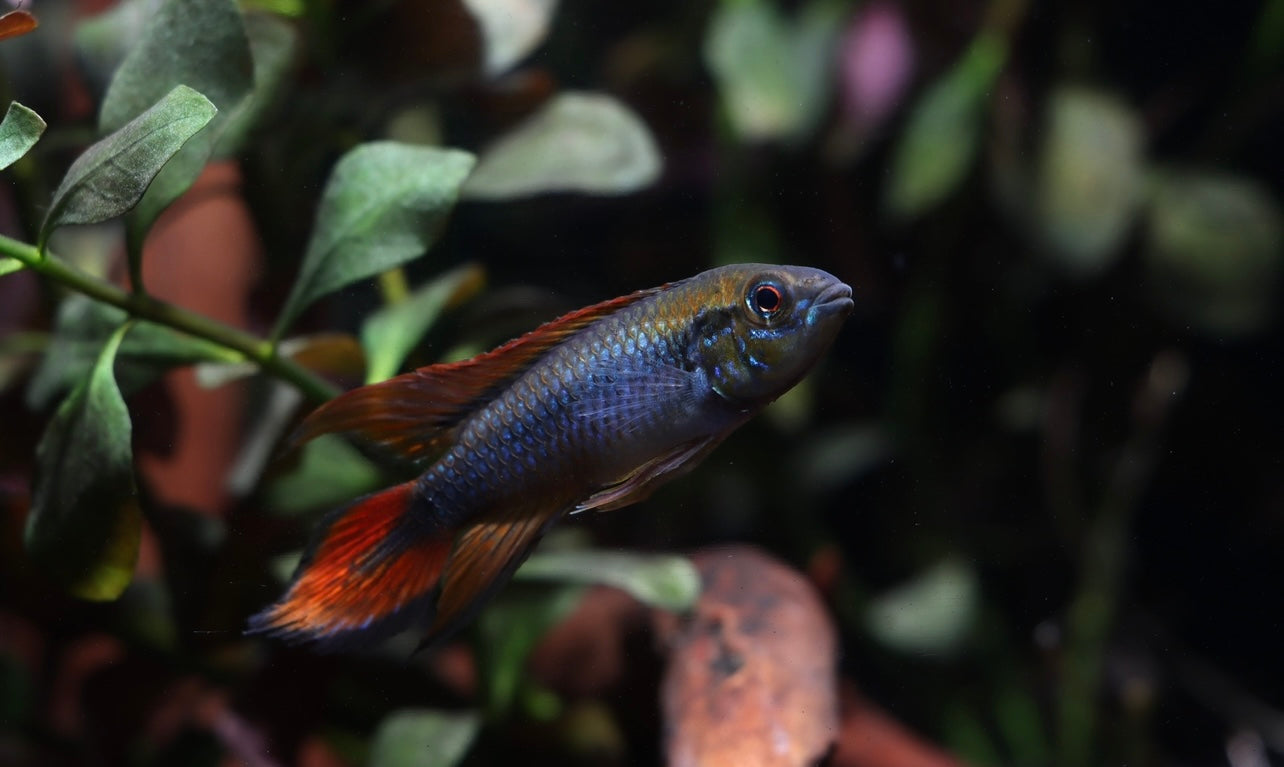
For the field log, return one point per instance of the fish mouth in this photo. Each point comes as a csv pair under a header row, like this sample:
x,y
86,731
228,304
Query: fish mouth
x,y
834,299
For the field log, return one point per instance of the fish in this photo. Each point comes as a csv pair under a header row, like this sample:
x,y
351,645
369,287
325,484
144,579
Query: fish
x,y
591,411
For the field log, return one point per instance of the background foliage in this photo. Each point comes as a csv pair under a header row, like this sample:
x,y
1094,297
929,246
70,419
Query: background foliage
x,y
1037,479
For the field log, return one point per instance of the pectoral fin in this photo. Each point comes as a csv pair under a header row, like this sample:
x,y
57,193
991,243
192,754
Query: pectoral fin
x,y
639,484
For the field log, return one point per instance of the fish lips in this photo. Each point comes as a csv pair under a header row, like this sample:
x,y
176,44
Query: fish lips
x,y
833,303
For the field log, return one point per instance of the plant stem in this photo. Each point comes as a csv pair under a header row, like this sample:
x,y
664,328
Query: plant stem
x,y
145,307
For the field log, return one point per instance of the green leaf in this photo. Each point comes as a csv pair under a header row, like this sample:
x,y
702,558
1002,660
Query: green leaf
x,y
930,615
1090,180
510,628
391,333
10,265
103,41
198,43
110,177
943,134
773,74
81,328
666,581
510,29
85,524
331,472
19,132
424,738
273,43
1213,251
578,142
382,207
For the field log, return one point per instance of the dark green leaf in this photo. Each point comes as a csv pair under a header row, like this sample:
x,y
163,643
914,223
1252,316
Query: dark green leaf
x,y
110,177
942,137
85,524
198,43
81,328
1213,251
510,628
103,41
578,142
666,581
331,472
383,206
391,333
273,43
19,132
424,738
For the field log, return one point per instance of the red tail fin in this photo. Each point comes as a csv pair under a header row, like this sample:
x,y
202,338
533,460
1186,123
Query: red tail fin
x,y
371,572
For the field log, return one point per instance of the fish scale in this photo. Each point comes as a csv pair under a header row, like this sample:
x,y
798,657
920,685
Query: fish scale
x,y
591,411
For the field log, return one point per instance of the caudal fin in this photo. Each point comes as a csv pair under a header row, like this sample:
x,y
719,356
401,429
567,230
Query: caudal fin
x,y
379,566
371,572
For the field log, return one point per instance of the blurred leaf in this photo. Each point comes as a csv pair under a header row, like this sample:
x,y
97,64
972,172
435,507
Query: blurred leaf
x,y
274,44
383,206
966,736
510,628
331,472
1090,180
110,177
1017,714
424,738
268,423
833,457
16,23
334,355
291,8
9,265
103,41
198,43
932,614
665,581
390,333
938,144
19,131
84,525
578,142
510,28
18,354
1213,250
84,325
773,75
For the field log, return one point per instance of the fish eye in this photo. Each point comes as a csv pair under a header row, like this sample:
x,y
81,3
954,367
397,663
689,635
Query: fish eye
x,y
765,299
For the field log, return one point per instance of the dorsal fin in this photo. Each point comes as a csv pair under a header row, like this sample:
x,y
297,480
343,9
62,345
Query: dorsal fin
x,y
414,414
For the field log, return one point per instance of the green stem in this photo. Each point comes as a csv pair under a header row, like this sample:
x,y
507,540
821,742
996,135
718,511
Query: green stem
x,y
145,307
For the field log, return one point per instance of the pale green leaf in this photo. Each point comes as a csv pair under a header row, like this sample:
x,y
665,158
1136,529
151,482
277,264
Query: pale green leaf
x,y
424,738
85,524
510,29
578,142
941,140
110,177
660,580
930,615
390,334
1090,180
384,205
19,132
773,73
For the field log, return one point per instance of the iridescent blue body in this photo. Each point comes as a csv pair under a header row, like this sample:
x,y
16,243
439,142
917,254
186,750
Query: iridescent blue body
x,y
592,411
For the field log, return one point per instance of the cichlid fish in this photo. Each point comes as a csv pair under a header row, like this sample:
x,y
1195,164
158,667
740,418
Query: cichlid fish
x,y
594,410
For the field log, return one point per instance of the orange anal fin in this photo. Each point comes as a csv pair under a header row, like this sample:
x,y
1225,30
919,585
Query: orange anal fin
x,y
414,414
485,556
638,485
371,573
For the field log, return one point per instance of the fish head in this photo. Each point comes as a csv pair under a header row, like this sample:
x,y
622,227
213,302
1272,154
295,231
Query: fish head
x,y
771,325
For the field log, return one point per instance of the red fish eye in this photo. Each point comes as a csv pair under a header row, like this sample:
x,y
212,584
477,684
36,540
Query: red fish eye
x,y
766,299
